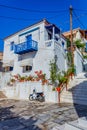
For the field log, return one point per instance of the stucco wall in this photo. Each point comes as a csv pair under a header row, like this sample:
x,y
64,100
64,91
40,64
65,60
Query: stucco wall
x,y
61,56
23,90
41,58
78,61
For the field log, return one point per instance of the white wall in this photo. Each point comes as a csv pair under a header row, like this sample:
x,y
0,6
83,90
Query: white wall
x,y
78,61
41,58
61,56
23,90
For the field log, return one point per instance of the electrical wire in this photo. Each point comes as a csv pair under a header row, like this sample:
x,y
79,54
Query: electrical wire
x,y
14,18
81,10
29,10
78,19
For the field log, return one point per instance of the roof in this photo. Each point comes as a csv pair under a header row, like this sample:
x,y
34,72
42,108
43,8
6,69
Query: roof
x,y
43,20
76,29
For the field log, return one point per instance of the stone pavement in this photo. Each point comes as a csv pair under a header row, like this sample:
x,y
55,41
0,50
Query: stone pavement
x,y
26,115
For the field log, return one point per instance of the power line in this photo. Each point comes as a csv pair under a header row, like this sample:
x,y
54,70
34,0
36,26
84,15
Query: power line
x,y
14,18
29,10
78,19
81,10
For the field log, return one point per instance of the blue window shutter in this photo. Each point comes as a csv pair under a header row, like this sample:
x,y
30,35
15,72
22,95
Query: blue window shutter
x,y
12,46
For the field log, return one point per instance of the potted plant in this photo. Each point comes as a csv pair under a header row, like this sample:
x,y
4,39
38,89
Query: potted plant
x,y
22,79
12,80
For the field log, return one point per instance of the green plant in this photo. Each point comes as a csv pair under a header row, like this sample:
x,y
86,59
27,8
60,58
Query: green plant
x,y
61,78
53,89
85,56
22,78
53,71
79,44
70,58
68,43
12,80
29,78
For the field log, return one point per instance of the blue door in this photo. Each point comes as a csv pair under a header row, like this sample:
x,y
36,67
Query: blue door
x,y
29,37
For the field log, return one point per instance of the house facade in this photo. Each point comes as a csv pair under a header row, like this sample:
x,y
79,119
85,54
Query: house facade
x,y
32,49
78,34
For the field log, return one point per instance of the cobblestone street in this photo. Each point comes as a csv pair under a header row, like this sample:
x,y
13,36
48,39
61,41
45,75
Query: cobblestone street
x,y
25,115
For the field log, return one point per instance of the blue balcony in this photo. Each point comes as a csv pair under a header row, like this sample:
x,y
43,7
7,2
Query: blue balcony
x,y
26,47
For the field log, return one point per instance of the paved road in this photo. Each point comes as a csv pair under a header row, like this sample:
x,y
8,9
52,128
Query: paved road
x,y
25,115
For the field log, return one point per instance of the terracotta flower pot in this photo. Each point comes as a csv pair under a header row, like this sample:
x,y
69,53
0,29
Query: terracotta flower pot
x,y
58,89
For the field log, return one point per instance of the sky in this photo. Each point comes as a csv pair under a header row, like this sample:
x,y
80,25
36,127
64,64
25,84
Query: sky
x,y
18,14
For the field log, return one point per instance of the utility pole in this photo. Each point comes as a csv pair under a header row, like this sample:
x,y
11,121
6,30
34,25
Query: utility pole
x,y
71,9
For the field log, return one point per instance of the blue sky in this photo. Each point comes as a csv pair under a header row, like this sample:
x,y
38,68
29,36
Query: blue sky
x,y
56,11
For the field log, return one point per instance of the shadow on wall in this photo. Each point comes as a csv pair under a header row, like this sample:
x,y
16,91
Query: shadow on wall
x,y
9,120
79,94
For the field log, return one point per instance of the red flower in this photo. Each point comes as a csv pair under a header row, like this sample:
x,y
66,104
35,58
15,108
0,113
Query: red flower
x,y
16,76
36,72
40,72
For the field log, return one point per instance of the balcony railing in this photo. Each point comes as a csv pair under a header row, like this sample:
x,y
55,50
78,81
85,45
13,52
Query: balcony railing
x,y
25,47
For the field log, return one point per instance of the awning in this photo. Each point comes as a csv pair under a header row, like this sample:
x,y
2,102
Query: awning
x,y
8,63
26,62
50,26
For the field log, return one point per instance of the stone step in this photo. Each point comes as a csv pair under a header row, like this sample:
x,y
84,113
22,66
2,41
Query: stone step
x,y
69,126
74,93
76,101
80,124
78,94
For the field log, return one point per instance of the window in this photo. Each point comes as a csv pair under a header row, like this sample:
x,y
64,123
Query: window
x,y
8,68
62,44
12,46
11,68
27,68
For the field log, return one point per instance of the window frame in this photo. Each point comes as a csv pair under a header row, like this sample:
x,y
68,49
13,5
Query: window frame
x,y
27,68
12,46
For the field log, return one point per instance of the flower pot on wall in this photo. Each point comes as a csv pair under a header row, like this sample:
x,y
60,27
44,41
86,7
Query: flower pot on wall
x,y
58,89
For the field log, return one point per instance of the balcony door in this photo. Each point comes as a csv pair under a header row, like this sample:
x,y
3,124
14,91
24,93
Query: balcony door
x,y
29,38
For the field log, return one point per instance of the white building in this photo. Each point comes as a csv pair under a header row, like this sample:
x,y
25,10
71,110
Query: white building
x,y
32,49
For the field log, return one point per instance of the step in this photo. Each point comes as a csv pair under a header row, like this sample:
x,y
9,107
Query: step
x,y
82,97
73,126
74,92
78,95
78,86
82,122
76,101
